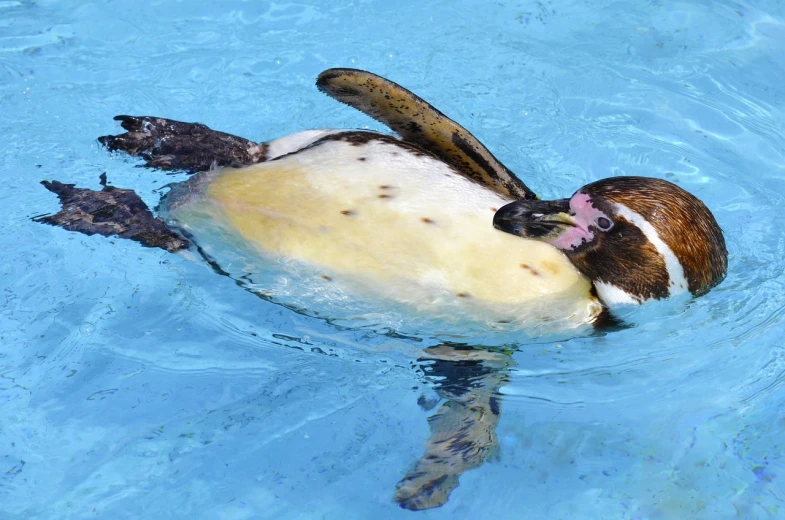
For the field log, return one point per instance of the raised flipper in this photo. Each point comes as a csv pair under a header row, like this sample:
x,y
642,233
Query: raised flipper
x,y
418,122
463,430
111,211
173,145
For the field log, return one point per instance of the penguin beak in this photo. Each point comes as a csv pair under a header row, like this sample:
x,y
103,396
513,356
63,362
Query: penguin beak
x,y
537,219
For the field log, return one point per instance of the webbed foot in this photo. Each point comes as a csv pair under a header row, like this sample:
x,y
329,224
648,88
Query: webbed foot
x,y
463,430
173,145
423,490
111,211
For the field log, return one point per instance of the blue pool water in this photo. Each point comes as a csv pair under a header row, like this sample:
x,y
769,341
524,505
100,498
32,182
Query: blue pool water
x,y
137,384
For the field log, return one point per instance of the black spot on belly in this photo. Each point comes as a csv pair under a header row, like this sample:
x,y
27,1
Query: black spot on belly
x,y
531,269
385,196
385,187
362,159
426,220
348,212
463,295
328,278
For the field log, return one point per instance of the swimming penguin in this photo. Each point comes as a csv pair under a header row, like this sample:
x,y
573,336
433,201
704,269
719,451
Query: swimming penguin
x,y
415,220
431,220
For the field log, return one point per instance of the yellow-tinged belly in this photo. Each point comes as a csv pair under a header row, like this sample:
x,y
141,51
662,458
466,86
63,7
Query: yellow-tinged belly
x,y
398,224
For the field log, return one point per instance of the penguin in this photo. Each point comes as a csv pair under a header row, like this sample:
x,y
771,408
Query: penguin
x,y
415,220
430,220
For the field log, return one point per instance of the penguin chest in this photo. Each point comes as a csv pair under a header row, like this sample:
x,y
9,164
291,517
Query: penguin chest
x,y
384,217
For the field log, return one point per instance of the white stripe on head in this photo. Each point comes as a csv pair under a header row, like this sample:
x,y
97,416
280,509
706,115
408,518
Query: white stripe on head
x,y
677,281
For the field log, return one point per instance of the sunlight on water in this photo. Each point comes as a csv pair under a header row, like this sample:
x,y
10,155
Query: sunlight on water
x,y
135,383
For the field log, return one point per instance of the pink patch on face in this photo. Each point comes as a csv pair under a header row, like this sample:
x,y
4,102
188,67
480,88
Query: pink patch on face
x,y
585,215
572,238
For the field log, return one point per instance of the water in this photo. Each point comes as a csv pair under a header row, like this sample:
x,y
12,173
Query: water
x,y
135,383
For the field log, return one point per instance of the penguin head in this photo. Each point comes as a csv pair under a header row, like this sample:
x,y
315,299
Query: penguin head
x,y
636,238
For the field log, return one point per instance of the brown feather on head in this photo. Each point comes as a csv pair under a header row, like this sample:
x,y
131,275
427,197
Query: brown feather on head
x,y
636,238
680,219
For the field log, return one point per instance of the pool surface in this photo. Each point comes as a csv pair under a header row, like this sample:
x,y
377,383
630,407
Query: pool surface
x,y
139,384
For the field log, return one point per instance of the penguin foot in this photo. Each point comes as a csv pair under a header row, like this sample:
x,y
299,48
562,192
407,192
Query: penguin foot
x,y
423,490
111,211
462,437
463,430
173,145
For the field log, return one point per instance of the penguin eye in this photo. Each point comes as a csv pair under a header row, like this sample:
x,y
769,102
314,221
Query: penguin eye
x,y
603,223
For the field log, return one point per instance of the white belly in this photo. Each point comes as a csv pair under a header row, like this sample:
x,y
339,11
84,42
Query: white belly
x,y
381,221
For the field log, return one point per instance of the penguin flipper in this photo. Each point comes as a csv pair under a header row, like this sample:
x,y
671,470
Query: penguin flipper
x,y
418,122
110,212
173,145
463,430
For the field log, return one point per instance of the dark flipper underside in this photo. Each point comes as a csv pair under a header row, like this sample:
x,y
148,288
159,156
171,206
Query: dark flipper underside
x,y
111,211
463,430
418,122
174,145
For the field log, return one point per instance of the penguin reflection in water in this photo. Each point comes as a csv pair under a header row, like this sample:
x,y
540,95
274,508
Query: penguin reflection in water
x,y
431,221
